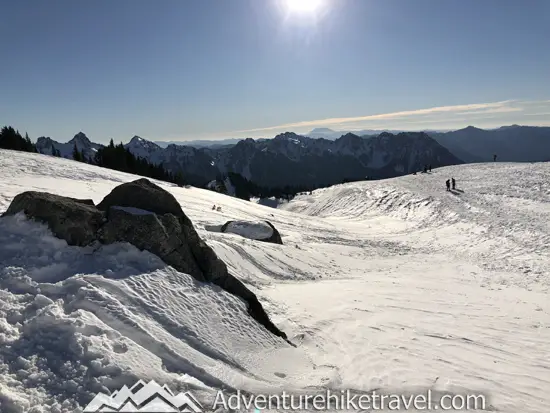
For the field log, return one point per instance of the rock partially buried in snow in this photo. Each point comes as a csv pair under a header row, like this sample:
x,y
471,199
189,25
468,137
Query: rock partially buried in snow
x,y
260,231
74,220
159,234
148,217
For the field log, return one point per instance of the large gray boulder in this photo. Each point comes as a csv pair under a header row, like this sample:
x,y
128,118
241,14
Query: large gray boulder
x,y
142,194
148,217
74,220
158,234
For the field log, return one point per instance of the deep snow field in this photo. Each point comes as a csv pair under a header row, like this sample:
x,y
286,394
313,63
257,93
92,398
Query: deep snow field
x,y
394,284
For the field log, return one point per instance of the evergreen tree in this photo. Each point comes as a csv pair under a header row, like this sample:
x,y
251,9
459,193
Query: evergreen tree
x,y
28,144
77,156
12,139
178,178
121,159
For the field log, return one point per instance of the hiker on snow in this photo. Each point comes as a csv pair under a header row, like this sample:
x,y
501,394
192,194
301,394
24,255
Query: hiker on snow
x,y
454,182
448,183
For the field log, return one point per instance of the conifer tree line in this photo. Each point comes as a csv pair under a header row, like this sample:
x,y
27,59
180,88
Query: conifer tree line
x,y
121,159
12,139
245,189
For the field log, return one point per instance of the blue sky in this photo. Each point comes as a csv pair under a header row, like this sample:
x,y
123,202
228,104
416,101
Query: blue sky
x,y
186,69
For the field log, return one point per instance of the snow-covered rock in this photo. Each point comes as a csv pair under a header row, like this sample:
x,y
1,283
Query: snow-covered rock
x,y
260,230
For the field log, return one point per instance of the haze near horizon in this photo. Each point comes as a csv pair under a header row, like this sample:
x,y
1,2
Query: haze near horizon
x,y
211,70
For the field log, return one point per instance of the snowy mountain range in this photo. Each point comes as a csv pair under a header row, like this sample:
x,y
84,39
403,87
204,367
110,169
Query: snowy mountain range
x,y
512,143
287,159
201,143
331,134
291,159
83,144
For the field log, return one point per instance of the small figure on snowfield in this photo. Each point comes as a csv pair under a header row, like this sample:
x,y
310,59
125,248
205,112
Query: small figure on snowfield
x,y
454,183
448,183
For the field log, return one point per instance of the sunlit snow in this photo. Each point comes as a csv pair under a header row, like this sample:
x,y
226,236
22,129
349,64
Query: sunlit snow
x,y
394,284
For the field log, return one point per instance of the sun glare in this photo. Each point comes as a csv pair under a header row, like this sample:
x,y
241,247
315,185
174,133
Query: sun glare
x,y
303,6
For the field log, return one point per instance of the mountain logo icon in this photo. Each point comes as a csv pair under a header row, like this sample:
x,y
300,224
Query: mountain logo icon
x,y
145,398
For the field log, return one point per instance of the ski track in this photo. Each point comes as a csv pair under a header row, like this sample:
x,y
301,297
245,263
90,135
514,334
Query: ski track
x,y
394,284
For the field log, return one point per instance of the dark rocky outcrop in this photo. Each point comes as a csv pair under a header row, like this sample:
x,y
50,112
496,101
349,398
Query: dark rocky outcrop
x,y
74,220
142,194
148,217
159,234
275,237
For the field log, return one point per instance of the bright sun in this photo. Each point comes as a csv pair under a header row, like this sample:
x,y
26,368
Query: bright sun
x,y
303,6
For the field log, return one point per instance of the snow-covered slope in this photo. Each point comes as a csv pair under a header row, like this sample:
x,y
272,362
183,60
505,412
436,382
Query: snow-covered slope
x,y
499,214
394,284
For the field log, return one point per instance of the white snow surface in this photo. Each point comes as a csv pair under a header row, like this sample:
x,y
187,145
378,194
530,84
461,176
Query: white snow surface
x,y
394,284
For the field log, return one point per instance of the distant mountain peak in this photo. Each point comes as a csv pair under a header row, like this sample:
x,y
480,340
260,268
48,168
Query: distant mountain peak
x,y
349,137
246,142
510,127
417,135
140,142
286,135
81,138
45,139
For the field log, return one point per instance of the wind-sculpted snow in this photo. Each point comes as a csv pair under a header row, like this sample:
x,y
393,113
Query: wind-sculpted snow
x,y
395,284
499,214
76,320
